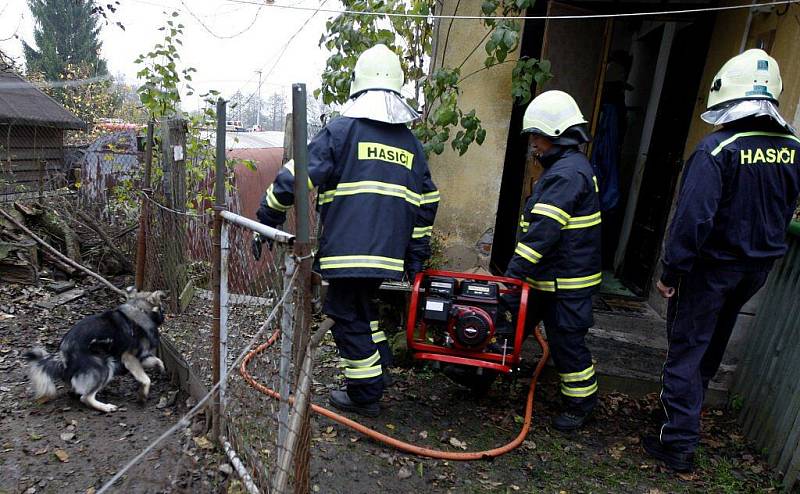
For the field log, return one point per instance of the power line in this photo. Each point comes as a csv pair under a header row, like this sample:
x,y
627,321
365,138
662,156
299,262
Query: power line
x,y
522,17
221,36
283,50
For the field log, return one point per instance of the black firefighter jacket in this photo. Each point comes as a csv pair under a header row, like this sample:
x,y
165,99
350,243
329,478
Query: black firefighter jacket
x,y
738,194
376,199
558,241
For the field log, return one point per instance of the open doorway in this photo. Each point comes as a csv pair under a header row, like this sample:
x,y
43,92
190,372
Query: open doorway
x,y
638,91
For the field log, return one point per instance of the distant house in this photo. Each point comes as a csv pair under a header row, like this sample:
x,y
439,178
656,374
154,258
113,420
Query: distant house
x,y
32,127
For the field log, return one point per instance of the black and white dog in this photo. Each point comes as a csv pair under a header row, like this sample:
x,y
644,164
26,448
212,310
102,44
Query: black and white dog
x,y
100,346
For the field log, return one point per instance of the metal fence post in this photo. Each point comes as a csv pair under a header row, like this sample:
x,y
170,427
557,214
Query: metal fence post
x,y
302,249
287,334
216,268
144,212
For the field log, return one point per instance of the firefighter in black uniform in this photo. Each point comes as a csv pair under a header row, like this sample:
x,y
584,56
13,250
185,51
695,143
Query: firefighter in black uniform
x,y
377,205
738,194
558,248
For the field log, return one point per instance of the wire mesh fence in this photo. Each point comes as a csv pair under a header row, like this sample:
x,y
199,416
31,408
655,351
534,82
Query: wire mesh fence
x,y
96,187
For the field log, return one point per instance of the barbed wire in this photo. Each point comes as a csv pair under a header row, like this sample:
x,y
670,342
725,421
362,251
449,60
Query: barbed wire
x,y
524,17
185,419
168,209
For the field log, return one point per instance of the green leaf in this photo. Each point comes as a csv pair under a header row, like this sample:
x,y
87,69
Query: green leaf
x,y
480,136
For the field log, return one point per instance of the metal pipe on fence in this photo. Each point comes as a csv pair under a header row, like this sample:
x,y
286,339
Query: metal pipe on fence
x,y
223,313
216,267
144,213
302,250
267,231
281,478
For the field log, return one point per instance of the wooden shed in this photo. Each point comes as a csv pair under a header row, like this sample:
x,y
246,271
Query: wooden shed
x,y
32,126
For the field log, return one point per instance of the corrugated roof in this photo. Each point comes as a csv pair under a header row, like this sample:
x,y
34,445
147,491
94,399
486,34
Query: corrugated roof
x,y
22,103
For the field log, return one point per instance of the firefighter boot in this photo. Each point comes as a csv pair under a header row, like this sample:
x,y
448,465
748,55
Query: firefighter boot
x,y
672,458
569,420
341,400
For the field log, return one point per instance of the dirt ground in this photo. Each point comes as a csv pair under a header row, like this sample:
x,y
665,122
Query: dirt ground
x,y
61,446
425,408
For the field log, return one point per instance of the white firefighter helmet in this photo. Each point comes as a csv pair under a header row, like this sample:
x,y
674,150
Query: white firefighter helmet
x,y
377,68
553,113
749,75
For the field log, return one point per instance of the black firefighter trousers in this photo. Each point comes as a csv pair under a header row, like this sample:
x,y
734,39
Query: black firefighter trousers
x,y
566,322
700,318
362,346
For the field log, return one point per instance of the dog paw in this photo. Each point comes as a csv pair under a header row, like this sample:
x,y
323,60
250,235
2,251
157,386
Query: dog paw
x,y
144,392
108,408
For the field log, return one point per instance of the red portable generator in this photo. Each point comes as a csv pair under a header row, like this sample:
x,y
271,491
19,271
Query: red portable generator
x,y
459,318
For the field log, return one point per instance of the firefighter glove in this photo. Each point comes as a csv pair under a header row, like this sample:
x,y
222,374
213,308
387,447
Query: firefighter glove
x,y
258,243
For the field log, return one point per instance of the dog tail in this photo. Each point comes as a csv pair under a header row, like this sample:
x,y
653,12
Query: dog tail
x,y
43,371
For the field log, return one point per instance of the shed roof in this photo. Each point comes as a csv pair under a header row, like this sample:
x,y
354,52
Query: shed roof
x,y
22,103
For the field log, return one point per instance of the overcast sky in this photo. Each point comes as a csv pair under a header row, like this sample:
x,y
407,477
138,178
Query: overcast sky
x,y
224,40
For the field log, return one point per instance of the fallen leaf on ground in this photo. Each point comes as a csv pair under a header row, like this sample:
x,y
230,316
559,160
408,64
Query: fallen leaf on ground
x,y
458,444
390,427
404,473
62,455
423,434
202,442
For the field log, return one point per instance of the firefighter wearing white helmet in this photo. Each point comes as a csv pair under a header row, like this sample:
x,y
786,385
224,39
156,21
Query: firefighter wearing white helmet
x,y
737,197
558,248
370,232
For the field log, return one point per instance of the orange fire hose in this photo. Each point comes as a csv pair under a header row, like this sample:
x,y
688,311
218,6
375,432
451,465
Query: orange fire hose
x,y
402,445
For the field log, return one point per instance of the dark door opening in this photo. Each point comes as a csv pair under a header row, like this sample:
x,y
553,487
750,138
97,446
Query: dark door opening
x,y
652,143
665,154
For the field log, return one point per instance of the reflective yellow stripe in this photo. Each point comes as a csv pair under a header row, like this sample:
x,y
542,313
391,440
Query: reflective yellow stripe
x,y
528,253
382,152
371,187
290,166
583,221
377,262
543,286
551,211
578,392
364,362
274,203
373,325
378,336
430,197
574,377
596,187
422,231
729,140
576,283
363,373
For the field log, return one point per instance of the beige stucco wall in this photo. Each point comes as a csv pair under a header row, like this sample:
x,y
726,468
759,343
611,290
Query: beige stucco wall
x,y
470,184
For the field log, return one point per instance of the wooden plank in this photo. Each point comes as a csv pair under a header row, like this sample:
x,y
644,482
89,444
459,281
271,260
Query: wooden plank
x,y
29,166
39,152
61,299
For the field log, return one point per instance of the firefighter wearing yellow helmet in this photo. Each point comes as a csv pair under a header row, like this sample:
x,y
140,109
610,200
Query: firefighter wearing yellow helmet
x,y
737,196
558,248
377,205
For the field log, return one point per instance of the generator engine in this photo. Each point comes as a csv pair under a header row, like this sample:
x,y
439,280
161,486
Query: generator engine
x,y
463,315
459,318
